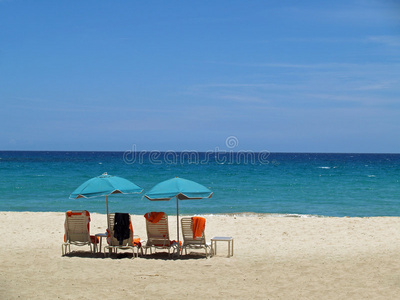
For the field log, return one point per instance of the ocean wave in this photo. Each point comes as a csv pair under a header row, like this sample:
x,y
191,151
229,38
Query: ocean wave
x,y
260,215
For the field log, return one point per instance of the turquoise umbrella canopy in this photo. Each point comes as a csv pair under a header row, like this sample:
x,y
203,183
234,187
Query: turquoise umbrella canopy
x,y
105,185
180,188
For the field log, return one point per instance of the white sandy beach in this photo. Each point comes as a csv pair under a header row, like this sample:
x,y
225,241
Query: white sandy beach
x,y
274,258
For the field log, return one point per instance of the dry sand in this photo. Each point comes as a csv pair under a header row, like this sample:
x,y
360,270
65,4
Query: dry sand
x,y
274,258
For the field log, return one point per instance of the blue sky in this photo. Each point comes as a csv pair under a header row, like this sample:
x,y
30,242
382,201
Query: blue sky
x,y
280,76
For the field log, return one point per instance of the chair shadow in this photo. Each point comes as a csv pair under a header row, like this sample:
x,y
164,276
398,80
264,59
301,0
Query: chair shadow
x,y
174,256
84,254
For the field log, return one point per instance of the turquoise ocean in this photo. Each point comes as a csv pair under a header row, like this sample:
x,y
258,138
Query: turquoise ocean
x,y
282,184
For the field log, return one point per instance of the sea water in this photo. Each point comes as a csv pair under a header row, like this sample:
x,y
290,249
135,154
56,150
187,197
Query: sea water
x,y
303,184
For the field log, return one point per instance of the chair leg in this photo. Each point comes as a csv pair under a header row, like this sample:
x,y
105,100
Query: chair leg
x,y
109,251
69,249
183,248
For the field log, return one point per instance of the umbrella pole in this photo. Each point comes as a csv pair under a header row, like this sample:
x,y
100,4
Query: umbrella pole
x,y
108,225
177,222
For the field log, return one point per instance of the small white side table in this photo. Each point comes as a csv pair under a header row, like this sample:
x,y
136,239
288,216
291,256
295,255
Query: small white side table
x,y
228,239
100,235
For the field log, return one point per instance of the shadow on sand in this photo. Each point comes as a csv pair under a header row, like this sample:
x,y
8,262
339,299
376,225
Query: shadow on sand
x,y
122,255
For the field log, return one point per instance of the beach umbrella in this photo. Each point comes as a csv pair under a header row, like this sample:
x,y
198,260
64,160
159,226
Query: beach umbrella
x,y
105,185
179,188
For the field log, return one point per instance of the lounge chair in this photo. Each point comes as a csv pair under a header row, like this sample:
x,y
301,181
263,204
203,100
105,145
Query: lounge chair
x,y
158,234
193,234
77,231
120,235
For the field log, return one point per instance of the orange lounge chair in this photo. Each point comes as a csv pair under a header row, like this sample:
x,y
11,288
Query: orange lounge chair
x,y
77,231
116,240
158,234
193,234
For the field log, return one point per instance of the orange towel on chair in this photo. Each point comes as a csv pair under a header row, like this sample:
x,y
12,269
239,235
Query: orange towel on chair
x,y
154,217
198,226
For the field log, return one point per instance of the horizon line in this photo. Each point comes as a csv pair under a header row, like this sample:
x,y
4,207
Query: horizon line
x,y
196,151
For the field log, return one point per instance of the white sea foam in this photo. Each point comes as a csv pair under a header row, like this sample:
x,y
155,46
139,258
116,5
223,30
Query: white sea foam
x,y
260,215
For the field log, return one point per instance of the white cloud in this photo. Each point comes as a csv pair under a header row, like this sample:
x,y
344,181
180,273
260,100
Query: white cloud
x,y
388,40
358,12
327,84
